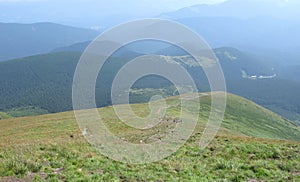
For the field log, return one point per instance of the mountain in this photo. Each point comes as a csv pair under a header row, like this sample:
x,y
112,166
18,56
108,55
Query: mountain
x,y
142,47
279,59
19,40
250,25
246,9
252,144
237,64
234,62
40,81
78,47
249,34
44,82
97,14
278,95
290,72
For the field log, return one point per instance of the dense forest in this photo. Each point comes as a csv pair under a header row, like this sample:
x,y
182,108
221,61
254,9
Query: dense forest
x,y
43,83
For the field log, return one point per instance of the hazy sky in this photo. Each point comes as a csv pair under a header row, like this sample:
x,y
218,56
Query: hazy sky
x,y
71,11
105,13
170,4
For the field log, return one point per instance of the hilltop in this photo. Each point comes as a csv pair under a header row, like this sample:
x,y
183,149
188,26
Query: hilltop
x,y
51,147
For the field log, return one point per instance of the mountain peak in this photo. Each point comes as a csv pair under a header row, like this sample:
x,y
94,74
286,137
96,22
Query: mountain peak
x,y
283,9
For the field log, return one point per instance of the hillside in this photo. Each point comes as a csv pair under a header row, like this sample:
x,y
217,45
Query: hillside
x,y
4,115
19,40
290,72
78,47
50,147
233,61
44,82
39,81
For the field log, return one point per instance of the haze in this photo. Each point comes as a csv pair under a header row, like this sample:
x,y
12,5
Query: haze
x,y
88,13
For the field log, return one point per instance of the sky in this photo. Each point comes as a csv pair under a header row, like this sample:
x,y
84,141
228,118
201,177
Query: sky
x,y
150,4
100,14
88,12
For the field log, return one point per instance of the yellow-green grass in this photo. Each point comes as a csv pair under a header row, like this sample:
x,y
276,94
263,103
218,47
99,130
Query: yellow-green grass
x,y
4,115
52,148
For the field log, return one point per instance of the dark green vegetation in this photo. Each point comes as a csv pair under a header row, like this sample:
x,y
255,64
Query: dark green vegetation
x,y
40,81
19,40
51,148
45,82
244,116
276,94
290,72
26,111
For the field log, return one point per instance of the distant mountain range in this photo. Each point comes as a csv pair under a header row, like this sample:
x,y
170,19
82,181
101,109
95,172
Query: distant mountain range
x,y
249,25
265,70
241,9
263,33
19,40
234,62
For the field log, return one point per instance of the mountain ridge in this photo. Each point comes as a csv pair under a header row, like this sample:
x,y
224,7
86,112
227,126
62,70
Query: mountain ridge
x,y
19,40
240,9
45,82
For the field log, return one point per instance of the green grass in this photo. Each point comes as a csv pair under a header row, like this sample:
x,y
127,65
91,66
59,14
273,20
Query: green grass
x,y
225,159
253,120
51,148
26,111
4,115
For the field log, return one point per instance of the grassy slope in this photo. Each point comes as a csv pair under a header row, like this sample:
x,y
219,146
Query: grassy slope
x,y
41,147
26,111
4,115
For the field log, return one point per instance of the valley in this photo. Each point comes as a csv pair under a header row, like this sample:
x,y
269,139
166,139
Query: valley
x,y
44,81
198,90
